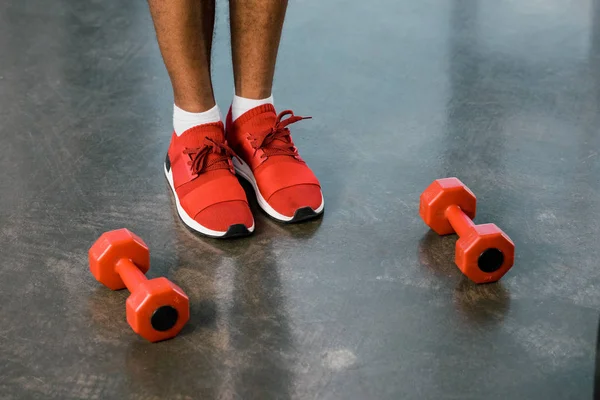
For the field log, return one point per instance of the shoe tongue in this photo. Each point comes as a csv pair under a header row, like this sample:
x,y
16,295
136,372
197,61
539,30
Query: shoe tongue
x,y
264,121
258,119
194,137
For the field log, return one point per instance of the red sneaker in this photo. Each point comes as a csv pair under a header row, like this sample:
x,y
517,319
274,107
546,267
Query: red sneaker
x,y
210,199
285,187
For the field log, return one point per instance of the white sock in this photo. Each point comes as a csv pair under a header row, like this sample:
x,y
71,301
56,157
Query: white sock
x,y
184,120
240,105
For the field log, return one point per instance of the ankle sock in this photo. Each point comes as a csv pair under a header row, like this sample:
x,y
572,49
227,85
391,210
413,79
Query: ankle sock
x,y
240,105
184,120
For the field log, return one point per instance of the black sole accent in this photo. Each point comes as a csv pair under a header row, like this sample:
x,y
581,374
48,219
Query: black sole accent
x,y
234,231
168,163
238,230
304,214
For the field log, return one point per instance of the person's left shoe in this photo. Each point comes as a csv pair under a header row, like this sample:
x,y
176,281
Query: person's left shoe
x,y
286,188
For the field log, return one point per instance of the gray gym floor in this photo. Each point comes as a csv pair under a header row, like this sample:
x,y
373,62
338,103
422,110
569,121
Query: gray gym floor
x,y
363,304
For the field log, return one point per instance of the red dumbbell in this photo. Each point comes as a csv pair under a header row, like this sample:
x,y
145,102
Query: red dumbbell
x,y
157,309
483,253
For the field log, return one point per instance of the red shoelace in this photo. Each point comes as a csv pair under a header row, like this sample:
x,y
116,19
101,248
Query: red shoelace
x,y
200,159
276,140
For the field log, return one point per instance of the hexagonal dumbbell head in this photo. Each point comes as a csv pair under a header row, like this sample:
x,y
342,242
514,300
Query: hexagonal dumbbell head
x,y
486,254
157,309
109,249
441,194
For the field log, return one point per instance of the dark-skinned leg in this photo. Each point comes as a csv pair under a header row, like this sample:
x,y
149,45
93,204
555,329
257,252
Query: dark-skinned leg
x,y
184,29
255,34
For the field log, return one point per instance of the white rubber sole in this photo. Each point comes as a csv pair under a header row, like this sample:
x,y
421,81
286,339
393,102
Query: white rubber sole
x,y
189,221
243,170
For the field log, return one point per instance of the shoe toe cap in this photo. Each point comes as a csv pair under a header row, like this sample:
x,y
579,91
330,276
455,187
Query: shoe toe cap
x,y
220,217
287,201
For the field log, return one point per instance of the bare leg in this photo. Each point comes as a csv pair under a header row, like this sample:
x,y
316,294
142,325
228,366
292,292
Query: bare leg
x,y
255,33
184,29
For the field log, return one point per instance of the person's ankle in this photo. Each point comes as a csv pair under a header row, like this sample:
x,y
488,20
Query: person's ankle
x,y
184,119
193,102
240,105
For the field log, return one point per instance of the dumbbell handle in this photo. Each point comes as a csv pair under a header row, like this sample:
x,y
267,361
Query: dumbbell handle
x,y
130,274
461,223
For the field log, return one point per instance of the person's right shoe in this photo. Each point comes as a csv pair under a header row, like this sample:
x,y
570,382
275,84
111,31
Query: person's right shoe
x,y
209,198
